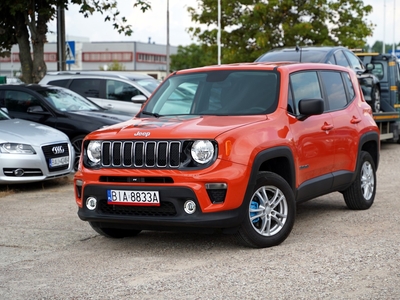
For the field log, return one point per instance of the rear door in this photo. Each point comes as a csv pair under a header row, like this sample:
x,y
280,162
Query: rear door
x,y
340,94
89,87
118,96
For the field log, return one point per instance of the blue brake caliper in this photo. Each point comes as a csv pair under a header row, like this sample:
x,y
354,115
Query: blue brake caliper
x,y
254,205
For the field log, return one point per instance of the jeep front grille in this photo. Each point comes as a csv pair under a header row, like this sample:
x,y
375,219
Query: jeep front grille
x,y
141,154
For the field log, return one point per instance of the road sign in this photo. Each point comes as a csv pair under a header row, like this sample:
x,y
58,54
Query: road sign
x,y
70,52
396,53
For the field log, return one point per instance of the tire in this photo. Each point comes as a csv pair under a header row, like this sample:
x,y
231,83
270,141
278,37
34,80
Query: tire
x,y
270,212
375,99
361,194
114,232
77,144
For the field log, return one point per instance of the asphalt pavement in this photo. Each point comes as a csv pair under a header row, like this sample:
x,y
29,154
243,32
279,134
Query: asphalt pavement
x,y
47,252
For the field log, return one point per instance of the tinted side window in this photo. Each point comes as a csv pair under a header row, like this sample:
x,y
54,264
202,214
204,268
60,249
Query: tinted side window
x,y
118,90
16,101
305,85
62,82
355,62
378,70
349,85
86,87
341,59
334,89
331,60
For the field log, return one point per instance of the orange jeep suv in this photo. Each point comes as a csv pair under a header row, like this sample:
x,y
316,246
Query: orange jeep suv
x,y
231,148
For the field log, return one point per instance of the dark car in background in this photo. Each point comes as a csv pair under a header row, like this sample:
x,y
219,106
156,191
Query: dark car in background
x,y
59,108
336,56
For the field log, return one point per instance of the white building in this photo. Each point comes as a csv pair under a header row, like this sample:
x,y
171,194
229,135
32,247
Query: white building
x,y
148,58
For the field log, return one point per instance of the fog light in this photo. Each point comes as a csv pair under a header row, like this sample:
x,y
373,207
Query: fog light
x,y
91,203
189,207
19,172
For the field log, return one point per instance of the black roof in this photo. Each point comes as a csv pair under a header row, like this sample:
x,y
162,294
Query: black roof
x,y
308,54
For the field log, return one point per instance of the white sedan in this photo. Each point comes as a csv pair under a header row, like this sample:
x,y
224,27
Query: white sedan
x,y
31,152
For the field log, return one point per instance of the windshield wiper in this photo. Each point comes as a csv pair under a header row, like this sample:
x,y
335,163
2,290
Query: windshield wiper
x,y
151,114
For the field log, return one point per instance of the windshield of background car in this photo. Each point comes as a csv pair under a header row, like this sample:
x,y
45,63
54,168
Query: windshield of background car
x,y
149,84
66,100
3,115
216,93
306,56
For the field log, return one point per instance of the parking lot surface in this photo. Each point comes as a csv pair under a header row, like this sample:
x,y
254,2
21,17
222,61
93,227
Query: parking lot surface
x,y
47,252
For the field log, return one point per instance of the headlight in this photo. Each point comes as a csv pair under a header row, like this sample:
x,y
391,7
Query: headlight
x,y
202,151
14,148
94,151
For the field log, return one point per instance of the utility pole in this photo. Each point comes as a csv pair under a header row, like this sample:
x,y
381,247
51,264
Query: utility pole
x,y
219,32
61,66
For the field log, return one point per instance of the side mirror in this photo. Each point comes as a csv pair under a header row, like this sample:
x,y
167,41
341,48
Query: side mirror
x,y
4,109
139,99
310,107
370,67
36,109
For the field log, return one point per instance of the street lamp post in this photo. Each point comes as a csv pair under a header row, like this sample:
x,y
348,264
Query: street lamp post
x,y
219,32
167,69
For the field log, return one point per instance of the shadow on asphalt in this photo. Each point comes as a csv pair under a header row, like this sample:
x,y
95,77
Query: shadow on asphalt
x,y
6,189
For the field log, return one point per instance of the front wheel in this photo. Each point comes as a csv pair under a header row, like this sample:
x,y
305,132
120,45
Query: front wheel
x,y
270,213
361,194
77,144
115,233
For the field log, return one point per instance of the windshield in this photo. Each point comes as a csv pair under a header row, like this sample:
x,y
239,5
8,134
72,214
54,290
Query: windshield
x,y
289,55
216,93
3,115
149,84
67,100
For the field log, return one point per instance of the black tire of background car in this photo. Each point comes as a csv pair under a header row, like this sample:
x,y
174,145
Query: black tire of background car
x,y
77,144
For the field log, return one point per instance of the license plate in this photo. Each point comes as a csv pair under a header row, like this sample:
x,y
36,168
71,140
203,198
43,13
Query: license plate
x,y
58,161
123,197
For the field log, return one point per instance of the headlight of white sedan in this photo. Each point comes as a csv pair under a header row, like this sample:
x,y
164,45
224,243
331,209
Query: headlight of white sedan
x,y
14,148
202,151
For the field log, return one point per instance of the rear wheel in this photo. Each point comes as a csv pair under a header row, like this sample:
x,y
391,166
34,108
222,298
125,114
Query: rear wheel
x,y
113,232
376,99
270,213
361,194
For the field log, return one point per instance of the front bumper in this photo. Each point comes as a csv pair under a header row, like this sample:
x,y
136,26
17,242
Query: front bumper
x,y
214,208
169,214
26,168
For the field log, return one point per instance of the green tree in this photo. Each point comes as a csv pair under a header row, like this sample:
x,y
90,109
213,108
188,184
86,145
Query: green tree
x,y
24,22
114,66
192,56
252,27
377,47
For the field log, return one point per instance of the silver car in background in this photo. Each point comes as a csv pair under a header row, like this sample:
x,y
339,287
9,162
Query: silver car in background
x,y
117,91
31,152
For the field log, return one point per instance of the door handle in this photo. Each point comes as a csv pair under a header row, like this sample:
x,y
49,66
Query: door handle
x,y
355,120
327,127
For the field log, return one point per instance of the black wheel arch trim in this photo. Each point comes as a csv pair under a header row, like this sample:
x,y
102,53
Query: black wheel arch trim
x,y
268,154
370,137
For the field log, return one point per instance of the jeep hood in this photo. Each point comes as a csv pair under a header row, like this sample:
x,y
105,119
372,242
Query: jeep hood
x,y
175,127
